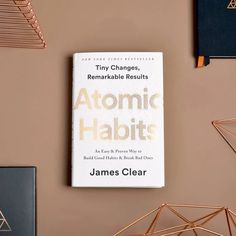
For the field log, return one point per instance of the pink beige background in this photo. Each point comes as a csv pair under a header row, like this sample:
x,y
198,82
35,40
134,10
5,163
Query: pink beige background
x,y
35,97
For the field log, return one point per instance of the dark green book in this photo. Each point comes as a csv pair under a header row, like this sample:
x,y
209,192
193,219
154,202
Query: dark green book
x,y
216,30
17,201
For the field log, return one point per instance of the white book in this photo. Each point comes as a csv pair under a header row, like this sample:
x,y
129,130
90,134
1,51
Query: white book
x,y
117,121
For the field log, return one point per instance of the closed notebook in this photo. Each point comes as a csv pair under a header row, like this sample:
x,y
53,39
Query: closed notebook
x,y
216,30
17,201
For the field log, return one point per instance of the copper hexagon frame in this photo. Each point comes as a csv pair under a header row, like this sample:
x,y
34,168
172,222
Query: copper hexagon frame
x,y
195,225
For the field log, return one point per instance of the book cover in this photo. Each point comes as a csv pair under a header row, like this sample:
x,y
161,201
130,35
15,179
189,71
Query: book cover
x,y
117,121
17,201
216,30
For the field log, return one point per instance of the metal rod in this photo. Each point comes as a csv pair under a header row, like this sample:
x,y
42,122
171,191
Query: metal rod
x,y
190,225
225,138
136,221
195,206
227,218
171,228
232,219
154,222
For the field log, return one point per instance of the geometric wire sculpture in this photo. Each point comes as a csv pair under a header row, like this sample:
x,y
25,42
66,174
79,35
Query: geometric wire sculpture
x,y
19,26
196,226
232,4
225,128
4,226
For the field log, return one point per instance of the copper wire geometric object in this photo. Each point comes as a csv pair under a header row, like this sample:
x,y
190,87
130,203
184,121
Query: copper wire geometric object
x,y
19,26
196,226
223,127
4,226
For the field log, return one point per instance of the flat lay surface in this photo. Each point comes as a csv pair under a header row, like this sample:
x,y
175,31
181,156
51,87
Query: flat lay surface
x,y
35,122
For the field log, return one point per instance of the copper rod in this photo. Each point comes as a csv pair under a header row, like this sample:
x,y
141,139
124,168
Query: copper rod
x,y
195,232
17,28
12,22
22,42
13,12
136,221
210,217
225,138
213,215
20,38
195,206
30,45
19,17
210,214
171,228
154,222
232,212
182,232
209,231
227,218
232,219
226,120
13,5
176,232
37,29
14,37
22,46
18,33
15,0
178,214
219,128
228,131
190,225
34,37
181,216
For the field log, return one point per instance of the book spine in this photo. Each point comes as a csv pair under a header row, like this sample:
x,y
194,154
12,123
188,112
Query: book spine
x,y
72,121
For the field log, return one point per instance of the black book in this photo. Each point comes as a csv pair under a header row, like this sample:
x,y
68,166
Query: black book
x,y
17,201
216,30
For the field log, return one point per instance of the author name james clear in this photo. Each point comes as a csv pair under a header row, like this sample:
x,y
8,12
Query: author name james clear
x,y
124,172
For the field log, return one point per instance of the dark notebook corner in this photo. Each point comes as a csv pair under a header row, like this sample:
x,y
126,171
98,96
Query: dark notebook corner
x,y
17,201
216,30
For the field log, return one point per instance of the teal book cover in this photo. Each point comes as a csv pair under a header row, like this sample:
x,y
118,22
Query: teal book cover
x,y
17,201
216,30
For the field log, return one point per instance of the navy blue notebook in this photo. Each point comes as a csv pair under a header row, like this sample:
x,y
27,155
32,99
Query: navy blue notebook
x,y
17,201
216,30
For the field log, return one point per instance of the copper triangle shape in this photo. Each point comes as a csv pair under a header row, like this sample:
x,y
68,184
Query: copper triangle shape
x,y
19,25
156,228
226,133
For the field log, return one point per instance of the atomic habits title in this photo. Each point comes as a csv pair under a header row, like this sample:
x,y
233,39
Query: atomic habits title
x,y
118,130
135,129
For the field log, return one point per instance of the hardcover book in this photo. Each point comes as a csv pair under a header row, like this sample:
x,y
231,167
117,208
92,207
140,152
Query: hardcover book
x,y
118,130
216,26
17,201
